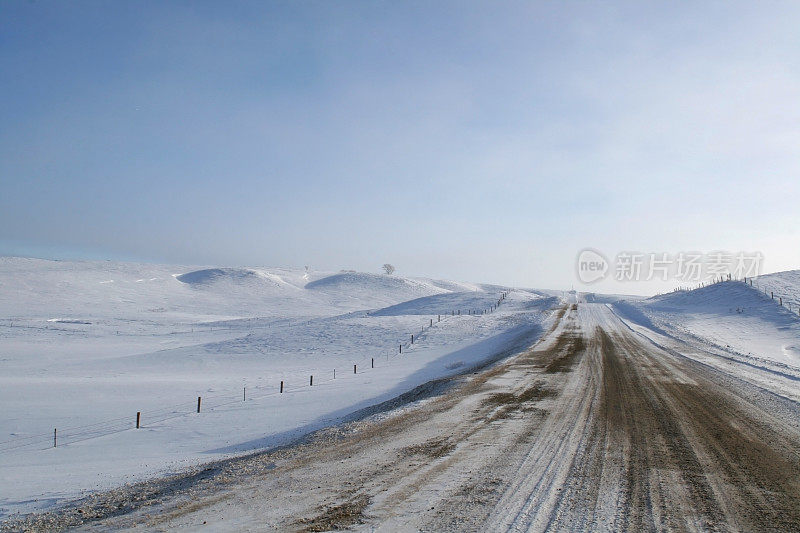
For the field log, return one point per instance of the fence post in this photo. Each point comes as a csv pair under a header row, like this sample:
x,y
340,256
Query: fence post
x,y
138,418
281,386
373,362
198,404
311,381
781,300
772,294
354,369
431,322
334,373
412,339
244,394
55,437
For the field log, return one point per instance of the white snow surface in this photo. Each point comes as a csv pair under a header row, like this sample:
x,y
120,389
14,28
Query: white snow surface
x,y
784,285
84,346
730,316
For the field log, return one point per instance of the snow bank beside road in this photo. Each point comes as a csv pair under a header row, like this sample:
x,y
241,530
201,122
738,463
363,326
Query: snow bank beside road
x,y
730,315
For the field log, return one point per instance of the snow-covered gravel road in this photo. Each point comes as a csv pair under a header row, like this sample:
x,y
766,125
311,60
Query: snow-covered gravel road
x,y
594,428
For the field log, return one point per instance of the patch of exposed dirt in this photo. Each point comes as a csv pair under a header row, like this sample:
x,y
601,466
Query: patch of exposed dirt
x,y
531,394
337,517
575,346
434,448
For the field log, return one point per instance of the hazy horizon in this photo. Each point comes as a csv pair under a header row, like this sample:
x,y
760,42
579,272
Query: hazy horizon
x,y
470,141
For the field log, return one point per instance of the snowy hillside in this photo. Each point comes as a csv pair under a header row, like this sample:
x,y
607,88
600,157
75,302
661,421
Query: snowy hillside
x,y
784,285
84,346
733,316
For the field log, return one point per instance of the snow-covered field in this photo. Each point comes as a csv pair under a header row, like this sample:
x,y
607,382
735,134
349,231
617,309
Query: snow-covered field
x,y
785,285
84,346
732,326
732,315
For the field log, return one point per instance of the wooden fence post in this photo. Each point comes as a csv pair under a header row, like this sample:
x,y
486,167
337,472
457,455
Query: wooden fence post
x,y
354,369
138,418
281,386
198,404
244,394
55,437
311,381
373,362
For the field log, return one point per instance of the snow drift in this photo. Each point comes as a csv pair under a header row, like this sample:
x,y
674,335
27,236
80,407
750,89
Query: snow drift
x,y
84,346
731,315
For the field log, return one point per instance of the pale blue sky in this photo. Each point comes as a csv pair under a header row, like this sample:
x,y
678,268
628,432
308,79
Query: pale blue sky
x,y
479,141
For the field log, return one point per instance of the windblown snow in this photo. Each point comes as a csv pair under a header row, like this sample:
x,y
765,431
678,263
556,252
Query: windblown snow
x,y
737,317
84,346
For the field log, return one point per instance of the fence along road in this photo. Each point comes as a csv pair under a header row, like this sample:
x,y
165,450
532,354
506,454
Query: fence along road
x,y
65,435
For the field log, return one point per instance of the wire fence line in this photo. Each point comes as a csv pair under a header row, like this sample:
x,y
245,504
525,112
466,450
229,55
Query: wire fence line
x,y
78,433
782,300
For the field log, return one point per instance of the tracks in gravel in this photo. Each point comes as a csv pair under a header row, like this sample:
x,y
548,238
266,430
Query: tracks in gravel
x,y
665,446
592,429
